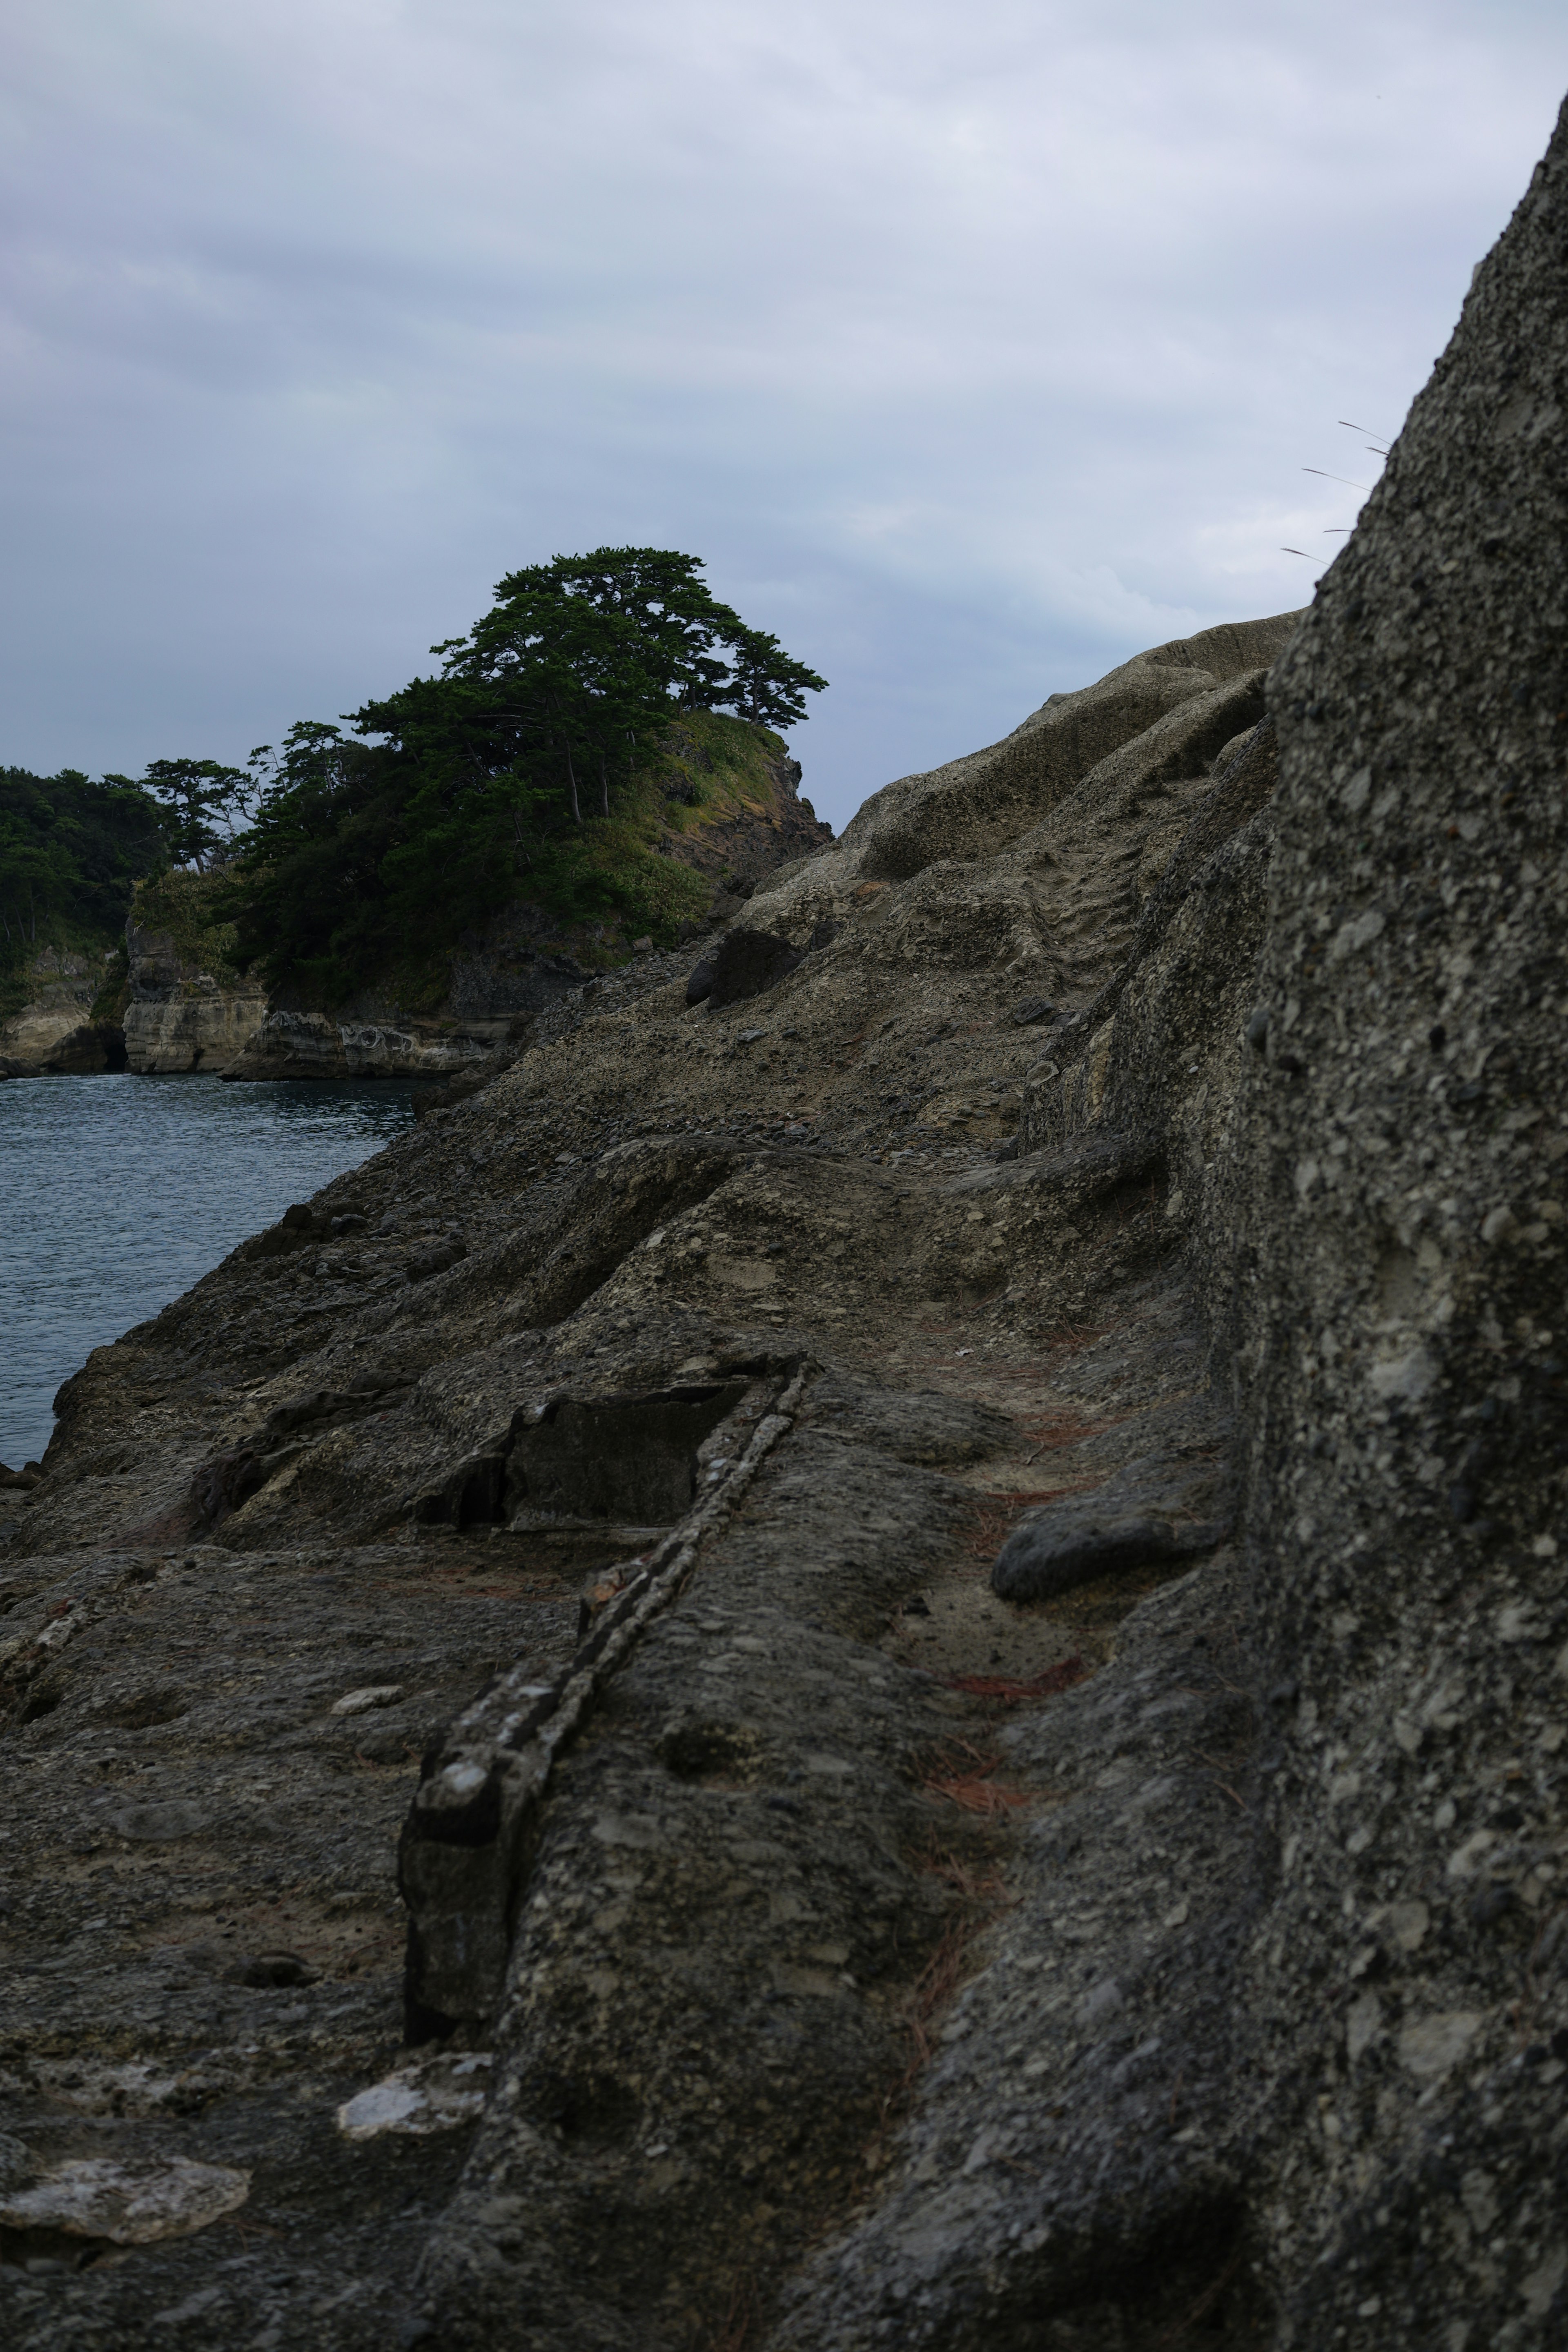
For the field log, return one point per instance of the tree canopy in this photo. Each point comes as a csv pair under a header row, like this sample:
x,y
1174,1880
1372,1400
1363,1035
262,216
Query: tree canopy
x,y
69,852
460,784
342,852
203,803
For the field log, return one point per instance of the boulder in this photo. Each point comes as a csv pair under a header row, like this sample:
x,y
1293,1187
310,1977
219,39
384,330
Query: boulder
x,y
745,965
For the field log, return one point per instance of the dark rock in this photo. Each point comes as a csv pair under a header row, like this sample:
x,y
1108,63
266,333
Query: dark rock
x,y
699,987
159,1824
1030,1009
272,1968
1073,1543
297,1219
435,1260
746,963
98,1046
1155,1508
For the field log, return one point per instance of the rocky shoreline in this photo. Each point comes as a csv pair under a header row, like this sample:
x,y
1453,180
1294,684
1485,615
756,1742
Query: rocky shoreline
x,y
873,1652
175,1007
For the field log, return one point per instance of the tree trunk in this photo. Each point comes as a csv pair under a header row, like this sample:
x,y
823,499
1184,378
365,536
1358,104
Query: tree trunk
x,y
571,781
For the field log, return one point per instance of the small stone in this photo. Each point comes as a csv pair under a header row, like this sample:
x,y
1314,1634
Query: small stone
x,y
1102,2001
1433,2046
281,1968
419,2100
360,1702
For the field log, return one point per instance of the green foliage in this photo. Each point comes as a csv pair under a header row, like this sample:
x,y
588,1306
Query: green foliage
x,y
515,772
202,802
193,910
535,765
69,853
114,989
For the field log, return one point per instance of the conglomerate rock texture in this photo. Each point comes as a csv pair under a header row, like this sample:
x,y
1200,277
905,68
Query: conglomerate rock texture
x,y
1145,1182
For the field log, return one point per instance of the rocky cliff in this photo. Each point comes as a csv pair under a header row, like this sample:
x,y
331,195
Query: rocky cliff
x,y
453,1017
60,1025
186,1007
938,1530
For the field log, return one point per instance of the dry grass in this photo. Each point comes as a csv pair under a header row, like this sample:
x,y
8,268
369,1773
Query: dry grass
x,y
991,1515
1059,1677
966,1778
735,2330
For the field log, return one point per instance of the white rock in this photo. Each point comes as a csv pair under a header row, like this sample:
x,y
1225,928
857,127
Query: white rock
x,y
435,2096
132,2204
1434,2045
1362,2025
360,1702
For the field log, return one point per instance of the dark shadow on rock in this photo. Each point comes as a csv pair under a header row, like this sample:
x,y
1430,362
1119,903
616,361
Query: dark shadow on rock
x,y
745,963
1153,1510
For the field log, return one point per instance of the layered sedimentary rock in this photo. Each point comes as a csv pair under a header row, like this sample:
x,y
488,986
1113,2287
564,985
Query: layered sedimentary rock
x,y
950,1570
499,985
179,1017
55,1030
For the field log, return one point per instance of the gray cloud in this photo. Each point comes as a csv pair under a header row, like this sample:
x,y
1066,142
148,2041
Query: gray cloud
x,y
973,348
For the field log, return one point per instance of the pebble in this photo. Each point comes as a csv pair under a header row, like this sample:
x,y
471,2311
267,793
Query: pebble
x,y
360,1702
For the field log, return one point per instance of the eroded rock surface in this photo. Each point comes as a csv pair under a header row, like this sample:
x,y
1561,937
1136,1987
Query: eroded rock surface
x,y
179,1017
55,1031
943,1581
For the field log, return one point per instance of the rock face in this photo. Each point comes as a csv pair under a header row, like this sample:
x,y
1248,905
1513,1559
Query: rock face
x,y
179,1017
55,1031
952,1569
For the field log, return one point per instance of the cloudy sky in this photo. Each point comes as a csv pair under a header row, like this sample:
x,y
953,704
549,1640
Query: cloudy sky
x,y
973,346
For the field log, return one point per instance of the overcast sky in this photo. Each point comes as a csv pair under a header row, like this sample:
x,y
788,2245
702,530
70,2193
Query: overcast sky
x,y
973,346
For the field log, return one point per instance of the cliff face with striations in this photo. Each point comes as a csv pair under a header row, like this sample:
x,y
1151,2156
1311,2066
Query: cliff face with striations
x,y
948,1571
56,1029
186,1008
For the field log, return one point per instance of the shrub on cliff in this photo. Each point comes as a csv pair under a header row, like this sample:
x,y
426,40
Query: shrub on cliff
x,y
511,772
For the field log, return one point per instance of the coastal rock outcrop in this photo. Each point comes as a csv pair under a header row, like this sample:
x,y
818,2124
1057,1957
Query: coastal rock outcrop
x,y
56,1029
952,1571
180,1015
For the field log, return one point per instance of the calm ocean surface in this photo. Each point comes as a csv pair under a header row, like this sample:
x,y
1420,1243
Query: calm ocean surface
x,y
116,1194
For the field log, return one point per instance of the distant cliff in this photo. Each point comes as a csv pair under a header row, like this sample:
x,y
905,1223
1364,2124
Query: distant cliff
x,y
724,824
61,1024
187,1007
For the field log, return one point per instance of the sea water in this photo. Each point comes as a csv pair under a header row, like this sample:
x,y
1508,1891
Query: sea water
x,y
117,1193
